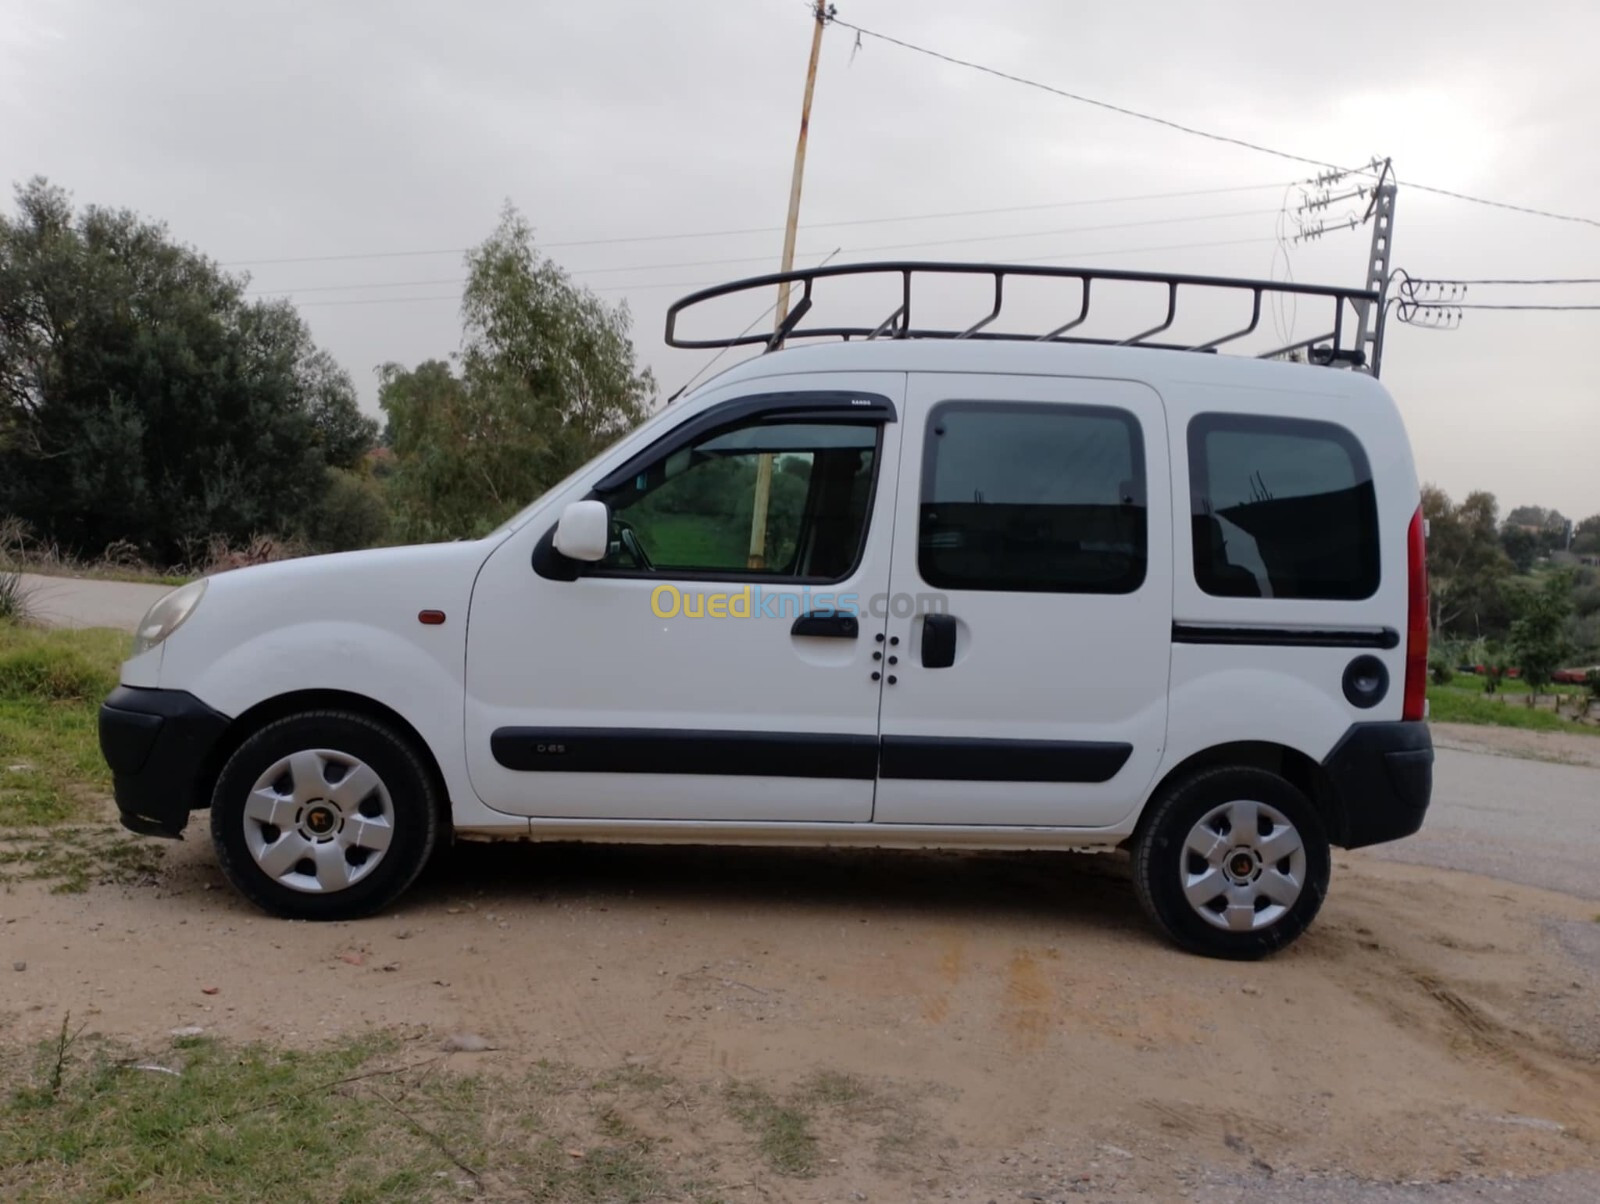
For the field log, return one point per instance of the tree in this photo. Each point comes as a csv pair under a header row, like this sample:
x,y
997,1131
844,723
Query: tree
x,y
1528,516
1586,536
143,398
1466,564
1539,631
1521,545
547,377
1544,530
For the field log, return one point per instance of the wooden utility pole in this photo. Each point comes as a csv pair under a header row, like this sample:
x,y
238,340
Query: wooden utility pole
x,y
758,517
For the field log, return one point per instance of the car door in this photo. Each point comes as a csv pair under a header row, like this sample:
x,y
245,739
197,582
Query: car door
x,y
1031,603
698,672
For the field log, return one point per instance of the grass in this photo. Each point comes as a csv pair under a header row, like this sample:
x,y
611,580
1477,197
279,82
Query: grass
x,y
785,1129
687,539
782,1132
54,785
72,857
377,1120
1446,704
51,686
1471,683
679,539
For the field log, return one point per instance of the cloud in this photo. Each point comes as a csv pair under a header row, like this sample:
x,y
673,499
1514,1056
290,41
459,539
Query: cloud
x,y
260,130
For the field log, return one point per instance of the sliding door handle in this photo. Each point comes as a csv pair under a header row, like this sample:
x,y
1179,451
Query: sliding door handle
x,y
827,626
938,641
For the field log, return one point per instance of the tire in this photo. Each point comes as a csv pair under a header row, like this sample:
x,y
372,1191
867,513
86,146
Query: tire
x,y
347,793
1215,888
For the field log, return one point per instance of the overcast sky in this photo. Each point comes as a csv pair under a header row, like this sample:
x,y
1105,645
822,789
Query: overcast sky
x,y
303,128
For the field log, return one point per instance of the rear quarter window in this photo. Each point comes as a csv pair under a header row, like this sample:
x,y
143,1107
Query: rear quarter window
x,y
1281,508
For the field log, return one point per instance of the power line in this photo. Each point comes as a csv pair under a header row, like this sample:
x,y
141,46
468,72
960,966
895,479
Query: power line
x,y
1183,246
1088,100
381,300
701,263
858,221
638,287
1486,305
759,318
643,286
1159,221
1478,200
344,288
1556,280
1199,133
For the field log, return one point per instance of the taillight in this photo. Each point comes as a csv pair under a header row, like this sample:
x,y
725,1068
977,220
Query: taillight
x,y
1416,696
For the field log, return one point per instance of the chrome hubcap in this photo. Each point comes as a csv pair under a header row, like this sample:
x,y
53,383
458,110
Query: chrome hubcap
x,y
318,821
1243,866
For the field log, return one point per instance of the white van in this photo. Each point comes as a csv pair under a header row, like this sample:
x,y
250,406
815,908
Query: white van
x,y
1008,593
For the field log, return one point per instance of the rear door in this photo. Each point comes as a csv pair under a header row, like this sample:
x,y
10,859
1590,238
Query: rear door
x,y
1030,607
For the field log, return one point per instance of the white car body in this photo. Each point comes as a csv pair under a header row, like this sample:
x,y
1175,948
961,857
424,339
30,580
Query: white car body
x,y
1167,670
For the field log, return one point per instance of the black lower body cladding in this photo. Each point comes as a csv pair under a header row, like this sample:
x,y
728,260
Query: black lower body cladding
x,y
1383,773
157,743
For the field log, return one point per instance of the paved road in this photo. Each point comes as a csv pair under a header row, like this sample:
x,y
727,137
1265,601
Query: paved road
x,y
81,602
1531,822
1569,1187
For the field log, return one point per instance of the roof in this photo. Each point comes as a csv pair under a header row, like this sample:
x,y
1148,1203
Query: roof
x,y
1157,367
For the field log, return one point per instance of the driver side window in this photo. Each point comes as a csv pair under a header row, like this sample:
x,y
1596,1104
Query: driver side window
x,y
695,511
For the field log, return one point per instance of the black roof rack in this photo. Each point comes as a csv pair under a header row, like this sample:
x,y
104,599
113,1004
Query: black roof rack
x,y
1345,343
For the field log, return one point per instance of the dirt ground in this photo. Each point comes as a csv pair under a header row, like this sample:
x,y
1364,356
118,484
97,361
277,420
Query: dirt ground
x,y
1040,1039
1569,748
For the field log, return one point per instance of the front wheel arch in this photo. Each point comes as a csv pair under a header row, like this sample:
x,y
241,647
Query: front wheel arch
x,y
249,722
340,820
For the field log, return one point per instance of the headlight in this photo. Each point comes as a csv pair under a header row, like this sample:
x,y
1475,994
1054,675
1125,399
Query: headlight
x,y
167,615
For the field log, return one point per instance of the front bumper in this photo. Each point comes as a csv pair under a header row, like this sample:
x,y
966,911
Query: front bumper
x,y
1383,773
158,744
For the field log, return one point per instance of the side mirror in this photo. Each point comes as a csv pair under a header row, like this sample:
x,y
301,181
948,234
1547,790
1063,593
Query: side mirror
x,y
584,532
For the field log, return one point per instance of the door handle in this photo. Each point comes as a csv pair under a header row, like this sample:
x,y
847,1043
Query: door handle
x,y
938,641
827,625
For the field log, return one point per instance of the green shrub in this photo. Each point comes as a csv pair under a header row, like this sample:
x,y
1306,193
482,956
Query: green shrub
x,y
15,599
1440,671
353,513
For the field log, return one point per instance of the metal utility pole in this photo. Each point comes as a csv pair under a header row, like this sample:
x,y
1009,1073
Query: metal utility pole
x,y
822,13
1370,316
1381,212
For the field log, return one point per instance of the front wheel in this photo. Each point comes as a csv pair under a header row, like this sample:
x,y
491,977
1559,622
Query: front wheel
x,y
1233,863
325,815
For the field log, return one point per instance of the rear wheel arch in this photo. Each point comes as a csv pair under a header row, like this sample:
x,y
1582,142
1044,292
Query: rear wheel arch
x,y
1290,764
248,722
1234,862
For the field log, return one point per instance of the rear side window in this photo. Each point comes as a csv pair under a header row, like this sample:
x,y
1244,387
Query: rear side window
x,y
1032,497
1281,508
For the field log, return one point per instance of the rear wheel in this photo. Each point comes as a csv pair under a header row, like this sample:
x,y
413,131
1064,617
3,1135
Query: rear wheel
x,y
1233,863
325,815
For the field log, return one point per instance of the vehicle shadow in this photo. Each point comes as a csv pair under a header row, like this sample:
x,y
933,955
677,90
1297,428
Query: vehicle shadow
x,y
1093,889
